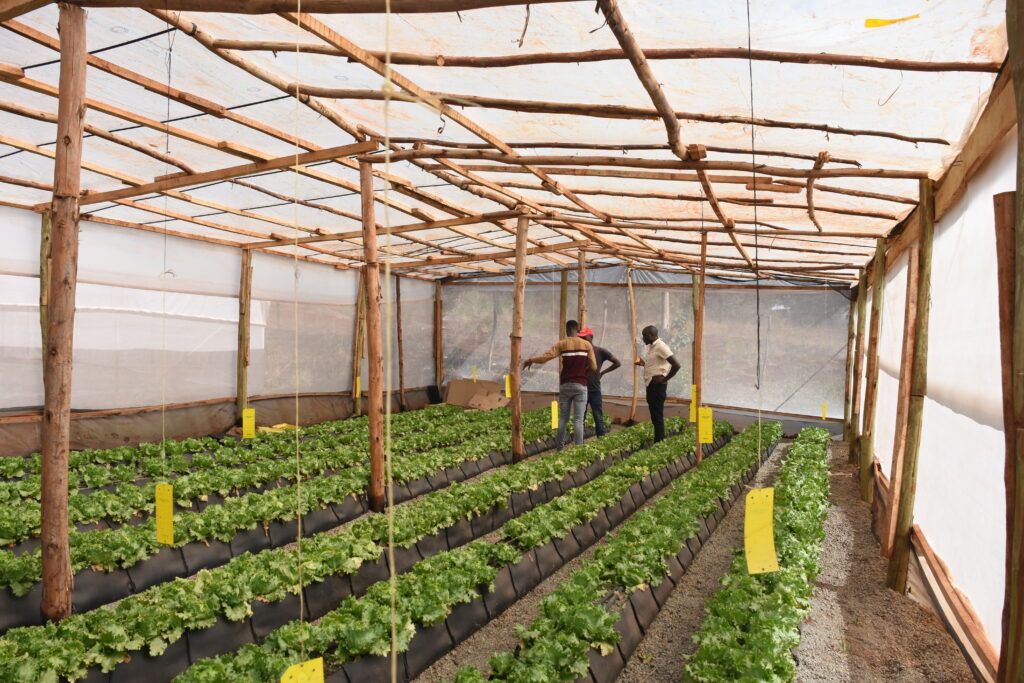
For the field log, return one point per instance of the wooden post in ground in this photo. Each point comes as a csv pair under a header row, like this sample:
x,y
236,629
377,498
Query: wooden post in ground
x,y
851,341
374,354
858,367
563,302
359,344
1009,248
45,232
903,401
633,337
867,446
581,289
60,323
438,336
400,347
698,337
516,338
900,558
243,349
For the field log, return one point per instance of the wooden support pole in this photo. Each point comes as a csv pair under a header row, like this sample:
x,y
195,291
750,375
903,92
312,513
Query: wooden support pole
x,y
903,401
439,336
515,362
581,289
374,354
401,349
867,449
858,366
900,558
45,233
359,344
60,323
698,336
244,308
1009,248
563,301
633,337
851,340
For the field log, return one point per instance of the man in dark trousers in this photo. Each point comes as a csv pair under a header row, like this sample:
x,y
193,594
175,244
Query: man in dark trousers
x,y
577,359
660,365
601,354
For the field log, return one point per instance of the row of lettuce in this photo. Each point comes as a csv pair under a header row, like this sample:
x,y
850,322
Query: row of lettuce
x,y
156,618
125,546
753,622
579,616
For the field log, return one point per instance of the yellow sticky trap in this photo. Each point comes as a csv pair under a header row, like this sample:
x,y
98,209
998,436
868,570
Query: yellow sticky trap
x,y
879,23
165,514
759,533
474,375
311,671
248,423
824,411
554,414
705,424
508,386
693,403
357,390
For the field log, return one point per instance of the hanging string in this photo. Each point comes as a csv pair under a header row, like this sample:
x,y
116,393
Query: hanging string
x,y
164,272
757,226
295,330
393,578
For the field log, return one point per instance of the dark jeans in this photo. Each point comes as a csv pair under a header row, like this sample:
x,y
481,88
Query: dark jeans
x,y
656,394
596,407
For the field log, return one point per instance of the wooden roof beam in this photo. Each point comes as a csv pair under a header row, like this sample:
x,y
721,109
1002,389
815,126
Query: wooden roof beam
x,y
317,6
491,256
586,56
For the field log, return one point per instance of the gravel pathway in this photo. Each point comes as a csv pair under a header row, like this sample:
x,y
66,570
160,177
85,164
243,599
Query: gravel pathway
x,y
858,629
663,650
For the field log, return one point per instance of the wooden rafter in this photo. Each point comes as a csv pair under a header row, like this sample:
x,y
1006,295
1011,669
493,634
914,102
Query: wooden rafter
x,y
319,6
492,256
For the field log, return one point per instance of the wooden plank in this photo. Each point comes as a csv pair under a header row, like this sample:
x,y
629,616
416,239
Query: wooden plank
x,y
867,452
58,354
13,8
516,338
191,179
243,350
374,351
896,577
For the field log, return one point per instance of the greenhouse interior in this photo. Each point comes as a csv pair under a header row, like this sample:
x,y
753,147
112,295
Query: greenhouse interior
x,y
511,340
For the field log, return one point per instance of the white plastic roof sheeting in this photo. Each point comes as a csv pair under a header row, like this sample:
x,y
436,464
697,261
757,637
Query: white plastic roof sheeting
x,y
921,104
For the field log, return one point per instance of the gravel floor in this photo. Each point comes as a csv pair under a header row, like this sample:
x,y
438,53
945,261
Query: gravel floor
x,y
663,651
858,629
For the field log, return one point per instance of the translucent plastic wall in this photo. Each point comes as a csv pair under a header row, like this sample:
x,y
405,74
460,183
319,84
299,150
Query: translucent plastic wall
x,y
890,348
803,339
960,490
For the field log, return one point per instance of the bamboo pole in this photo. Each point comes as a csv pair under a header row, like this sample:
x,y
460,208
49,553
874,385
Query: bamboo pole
x,y
867,446
45,234
903,402
401,346
858,367
633,338
359,344
851,336
243,349
439,336
900,558
581,288
698,336
57,356
516,346
374,354
1009,242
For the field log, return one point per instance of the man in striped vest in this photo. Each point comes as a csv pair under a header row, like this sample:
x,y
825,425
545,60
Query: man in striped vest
x,y
577,359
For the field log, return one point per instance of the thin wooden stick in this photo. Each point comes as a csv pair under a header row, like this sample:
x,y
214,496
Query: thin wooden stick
x,y
45,235
439,336
858,367
818,164
672,53
242,355
516,338
867,452
851,335
57,359
401,350
633,338
581,288
899,561
698,335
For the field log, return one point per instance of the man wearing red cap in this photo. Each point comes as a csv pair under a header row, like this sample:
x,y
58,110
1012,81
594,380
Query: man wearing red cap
x,y
594,376
577,359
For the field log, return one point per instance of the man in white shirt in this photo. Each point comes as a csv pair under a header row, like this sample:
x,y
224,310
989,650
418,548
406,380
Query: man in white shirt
x,y
660,365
